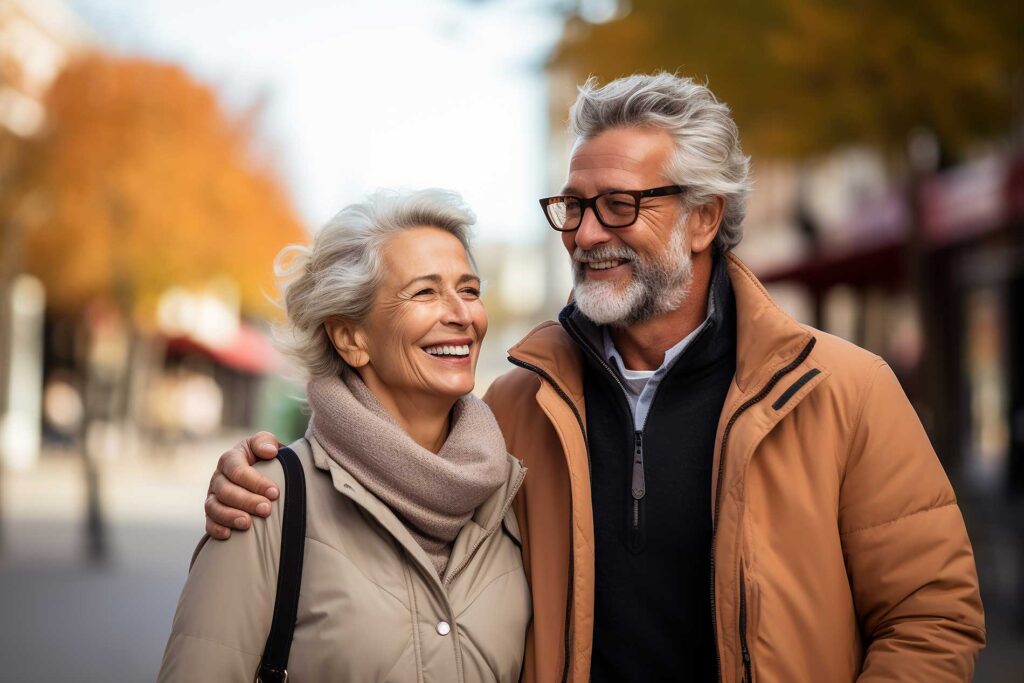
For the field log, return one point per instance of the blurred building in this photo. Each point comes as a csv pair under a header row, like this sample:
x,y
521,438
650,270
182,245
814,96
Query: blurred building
x,y
37,38
516,294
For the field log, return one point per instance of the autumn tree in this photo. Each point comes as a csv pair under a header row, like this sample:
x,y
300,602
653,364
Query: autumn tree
x,y
148,183
803,76
139,181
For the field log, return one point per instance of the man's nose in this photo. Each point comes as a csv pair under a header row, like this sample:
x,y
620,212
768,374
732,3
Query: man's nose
x,y
591,233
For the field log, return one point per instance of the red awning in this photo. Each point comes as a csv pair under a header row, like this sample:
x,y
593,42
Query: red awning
x,y
249,350
956,206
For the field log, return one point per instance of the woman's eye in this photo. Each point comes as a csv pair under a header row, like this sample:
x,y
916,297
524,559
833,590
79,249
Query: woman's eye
x,y
471,291
424,292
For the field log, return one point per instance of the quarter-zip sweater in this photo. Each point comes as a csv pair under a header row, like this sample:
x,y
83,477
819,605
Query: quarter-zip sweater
x,y
651,493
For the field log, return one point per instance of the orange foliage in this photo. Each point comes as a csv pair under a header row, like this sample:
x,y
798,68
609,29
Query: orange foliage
x,y
804,76
147,184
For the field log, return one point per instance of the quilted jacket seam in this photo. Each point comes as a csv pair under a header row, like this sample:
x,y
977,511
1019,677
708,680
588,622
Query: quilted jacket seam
x,y
356,567
484,589
898,519
217,643
878,365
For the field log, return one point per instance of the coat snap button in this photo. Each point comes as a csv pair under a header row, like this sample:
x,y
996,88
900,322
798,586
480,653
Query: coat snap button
x,y
443,628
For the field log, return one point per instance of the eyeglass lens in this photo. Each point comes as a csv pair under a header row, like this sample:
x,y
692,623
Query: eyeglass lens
x,y
615,210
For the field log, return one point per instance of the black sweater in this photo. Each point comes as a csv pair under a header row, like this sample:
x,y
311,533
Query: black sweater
x,y
653,578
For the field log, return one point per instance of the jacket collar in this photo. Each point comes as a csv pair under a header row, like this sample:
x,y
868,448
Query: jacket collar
x,y
766,339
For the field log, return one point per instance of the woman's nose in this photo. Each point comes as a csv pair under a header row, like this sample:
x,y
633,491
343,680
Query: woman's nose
x,y
456,311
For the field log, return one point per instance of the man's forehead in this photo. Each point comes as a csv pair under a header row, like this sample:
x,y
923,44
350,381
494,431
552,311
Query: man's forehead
x,y
623,158
626,150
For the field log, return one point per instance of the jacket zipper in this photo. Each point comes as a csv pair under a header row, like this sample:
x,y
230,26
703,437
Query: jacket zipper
x,y
583,431
748,669
754,400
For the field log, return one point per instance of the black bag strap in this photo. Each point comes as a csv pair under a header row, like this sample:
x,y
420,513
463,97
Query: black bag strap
x,y
274,665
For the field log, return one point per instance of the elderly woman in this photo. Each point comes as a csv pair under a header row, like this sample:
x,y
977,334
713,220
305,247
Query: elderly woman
x,y
411,569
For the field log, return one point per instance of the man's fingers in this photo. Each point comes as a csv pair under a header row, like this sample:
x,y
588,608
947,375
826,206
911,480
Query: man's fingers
x,y
237,490
217,531
225,516
263,445
248,478
236,466
231,495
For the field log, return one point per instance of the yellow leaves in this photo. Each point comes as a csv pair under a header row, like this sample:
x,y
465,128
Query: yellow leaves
x,y
150,184
803,76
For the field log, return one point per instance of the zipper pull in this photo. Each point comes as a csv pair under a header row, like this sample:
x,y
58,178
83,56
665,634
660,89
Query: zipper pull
x,y
639,488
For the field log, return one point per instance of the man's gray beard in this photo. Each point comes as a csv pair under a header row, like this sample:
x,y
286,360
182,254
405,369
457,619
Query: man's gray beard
x,y
658,286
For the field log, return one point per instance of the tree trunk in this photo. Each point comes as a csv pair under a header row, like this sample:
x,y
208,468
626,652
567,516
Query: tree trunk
x,y
94,528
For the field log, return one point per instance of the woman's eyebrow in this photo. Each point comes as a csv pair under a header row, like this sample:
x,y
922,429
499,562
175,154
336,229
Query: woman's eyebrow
x,y
433,277
437,279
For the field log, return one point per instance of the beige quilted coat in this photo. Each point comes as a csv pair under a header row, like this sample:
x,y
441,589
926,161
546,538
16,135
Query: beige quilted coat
x,y
372,608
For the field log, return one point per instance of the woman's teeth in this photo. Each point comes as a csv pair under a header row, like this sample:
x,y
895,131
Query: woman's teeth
x,y
462,350
605,265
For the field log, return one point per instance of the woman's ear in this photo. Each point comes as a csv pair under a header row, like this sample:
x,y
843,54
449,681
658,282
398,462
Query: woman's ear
x,y
704,223
349,341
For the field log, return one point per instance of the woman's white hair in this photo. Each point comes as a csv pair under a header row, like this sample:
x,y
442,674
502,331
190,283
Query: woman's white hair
x,y
708,158
338,274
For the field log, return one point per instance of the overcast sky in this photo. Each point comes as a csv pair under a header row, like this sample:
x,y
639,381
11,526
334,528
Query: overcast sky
x,y
411,93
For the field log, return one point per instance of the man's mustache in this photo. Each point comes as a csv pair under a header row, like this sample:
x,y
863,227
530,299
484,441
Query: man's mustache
x,y
603,253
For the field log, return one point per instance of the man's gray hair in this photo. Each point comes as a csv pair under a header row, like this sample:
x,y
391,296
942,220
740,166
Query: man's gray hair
x,y
337,276
708,158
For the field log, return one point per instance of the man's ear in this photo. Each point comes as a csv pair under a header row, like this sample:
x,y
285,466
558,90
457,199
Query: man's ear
x,y
349,341
704,222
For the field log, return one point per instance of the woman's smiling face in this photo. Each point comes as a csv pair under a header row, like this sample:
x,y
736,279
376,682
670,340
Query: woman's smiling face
x,y
423,333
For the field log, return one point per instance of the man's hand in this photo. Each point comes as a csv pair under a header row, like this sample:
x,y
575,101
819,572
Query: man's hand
x,y
237,490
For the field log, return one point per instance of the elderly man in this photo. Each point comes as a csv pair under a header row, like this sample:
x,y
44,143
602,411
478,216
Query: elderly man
x,y
716,492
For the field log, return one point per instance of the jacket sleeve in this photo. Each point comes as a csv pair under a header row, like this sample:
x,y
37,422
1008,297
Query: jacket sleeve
x,y
907,553
224,613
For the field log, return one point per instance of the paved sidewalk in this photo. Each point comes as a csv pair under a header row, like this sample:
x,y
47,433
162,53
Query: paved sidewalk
x,y
65,619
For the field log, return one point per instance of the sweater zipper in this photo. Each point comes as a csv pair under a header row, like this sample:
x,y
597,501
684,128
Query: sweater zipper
x,y
583,431
638,489
748,669
637,486
760,396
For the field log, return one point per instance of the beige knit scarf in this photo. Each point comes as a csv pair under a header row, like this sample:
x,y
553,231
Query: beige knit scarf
x,y
433,494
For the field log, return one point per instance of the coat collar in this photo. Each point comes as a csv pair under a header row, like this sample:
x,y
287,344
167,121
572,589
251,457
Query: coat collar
x,y
484,522
766,339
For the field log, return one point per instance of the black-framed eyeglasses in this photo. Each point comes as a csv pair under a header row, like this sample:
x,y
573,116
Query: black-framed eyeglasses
x,y
615,209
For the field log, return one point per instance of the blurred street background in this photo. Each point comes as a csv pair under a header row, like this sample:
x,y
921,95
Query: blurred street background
x,y
155,155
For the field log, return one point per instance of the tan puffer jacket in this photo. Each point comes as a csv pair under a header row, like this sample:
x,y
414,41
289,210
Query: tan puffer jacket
x,y
839,551
372,608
